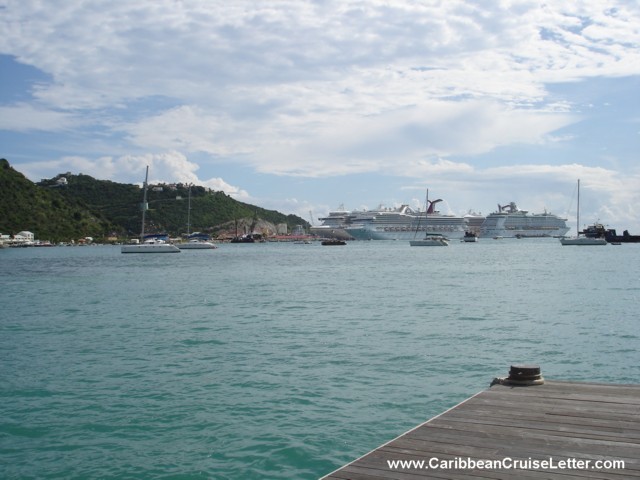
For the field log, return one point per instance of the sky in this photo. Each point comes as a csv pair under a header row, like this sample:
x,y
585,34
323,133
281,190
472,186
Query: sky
x,y
306,106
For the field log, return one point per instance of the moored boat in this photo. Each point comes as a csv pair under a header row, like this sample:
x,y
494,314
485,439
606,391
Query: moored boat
x,y
591,238
196,240
611,236
152,245
243,239
598,230
333,242
148,245
431,239
196,244
470,237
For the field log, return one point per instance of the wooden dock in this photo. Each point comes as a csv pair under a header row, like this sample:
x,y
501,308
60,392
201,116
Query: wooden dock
x,y
566,427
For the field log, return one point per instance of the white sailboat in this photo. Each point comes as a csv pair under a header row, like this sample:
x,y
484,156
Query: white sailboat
x,y
581,240
194,243
152,245
430,239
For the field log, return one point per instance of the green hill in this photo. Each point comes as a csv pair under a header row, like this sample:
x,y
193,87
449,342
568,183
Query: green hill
x,y
43,211
72,206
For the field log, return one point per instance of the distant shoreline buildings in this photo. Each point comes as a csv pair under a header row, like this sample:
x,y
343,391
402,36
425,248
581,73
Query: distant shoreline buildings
x,y
23,238
27,239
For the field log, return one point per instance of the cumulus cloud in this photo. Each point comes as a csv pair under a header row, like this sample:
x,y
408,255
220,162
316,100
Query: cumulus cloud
x,y
186,128
170,167
253,59
397,140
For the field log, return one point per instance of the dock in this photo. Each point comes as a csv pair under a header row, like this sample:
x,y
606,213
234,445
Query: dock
x,y
518,430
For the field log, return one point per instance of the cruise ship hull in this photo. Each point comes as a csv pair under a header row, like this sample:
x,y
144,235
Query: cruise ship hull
x,y
366,234
324,231
453,227
524,232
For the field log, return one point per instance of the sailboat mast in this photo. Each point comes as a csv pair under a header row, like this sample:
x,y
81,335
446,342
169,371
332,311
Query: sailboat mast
x,y
426,208
144,204
189,213
426,214
578,212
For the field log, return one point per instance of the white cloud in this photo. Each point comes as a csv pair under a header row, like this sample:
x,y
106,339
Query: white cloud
x,y
187,128
294,86
105,52
171,167
398,140
24,118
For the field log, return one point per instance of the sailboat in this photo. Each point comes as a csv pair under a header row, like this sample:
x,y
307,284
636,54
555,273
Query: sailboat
x,y
581,240
151,245
196,242
430,239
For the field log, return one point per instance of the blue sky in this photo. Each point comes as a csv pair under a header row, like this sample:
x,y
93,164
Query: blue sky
x,y
302,106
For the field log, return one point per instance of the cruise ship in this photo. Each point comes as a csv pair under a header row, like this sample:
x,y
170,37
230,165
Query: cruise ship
x,y
403,223
334,224
340,222
510,221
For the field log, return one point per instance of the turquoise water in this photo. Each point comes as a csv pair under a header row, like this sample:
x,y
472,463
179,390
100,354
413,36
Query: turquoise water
x,y
284,360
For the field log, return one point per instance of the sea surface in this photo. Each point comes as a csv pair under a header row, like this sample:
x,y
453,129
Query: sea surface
x,y
285,361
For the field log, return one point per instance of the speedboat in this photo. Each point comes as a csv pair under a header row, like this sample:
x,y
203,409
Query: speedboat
x,y
195,244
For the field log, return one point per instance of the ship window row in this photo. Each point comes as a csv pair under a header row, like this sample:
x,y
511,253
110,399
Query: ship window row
x,y
430,228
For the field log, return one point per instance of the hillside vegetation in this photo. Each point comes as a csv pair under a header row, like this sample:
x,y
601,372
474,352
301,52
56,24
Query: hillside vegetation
x,y
72,206
43,211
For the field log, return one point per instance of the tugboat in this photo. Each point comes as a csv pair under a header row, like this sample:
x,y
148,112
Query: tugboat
x,y
243,239
597,230
611,237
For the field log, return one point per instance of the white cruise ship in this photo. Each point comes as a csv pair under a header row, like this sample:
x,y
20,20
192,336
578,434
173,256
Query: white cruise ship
x,y
510,221
333,225
403,223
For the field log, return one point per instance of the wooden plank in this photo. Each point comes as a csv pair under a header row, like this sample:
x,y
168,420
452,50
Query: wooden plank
x,y
487,433
563,421
558,405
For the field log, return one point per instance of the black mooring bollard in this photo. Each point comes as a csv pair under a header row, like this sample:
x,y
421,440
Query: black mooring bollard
x,y
521,375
